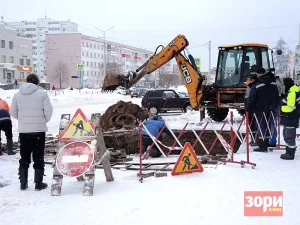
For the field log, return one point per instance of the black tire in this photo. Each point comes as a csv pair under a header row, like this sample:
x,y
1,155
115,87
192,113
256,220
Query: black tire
x,y
218,114
186,107
242,112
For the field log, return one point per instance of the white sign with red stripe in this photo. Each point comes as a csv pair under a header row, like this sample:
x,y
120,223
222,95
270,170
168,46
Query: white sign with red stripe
x,y
75,159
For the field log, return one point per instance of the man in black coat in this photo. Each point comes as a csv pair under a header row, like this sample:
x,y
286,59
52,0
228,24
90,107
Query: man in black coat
x,y
262,101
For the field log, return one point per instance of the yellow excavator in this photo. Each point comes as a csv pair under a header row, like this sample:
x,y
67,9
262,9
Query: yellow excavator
x,y
228,90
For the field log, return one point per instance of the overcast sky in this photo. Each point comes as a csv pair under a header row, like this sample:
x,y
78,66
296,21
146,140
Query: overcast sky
x,y
150,23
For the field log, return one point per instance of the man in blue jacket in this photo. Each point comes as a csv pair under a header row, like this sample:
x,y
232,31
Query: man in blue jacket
x,y
153,125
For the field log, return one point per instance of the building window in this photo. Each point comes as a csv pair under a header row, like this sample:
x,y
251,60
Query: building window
x,y
11,59
27,62
95,55
22,75
91,54
98,74
87,63
91,46
98,46
83,44
94,45
87,72
64,29
3,59
83,63
98,55
87,44
2,43
54,28
99,65
82,53
11,45
53,22
30,23
21,62
30,29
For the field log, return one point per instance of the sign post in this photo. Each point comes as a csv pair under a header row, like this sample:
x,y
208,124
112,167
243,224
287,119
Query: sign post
x,y
80,69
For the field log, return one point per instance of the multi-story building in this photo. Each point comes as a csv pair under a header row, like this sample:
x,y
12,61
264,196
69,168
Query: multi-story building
x,y
36,30
65,51
15,56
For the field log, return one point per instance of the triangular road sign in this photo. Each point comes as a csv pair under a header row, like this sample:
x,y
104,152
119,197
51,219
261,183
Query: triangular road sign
x,y
79,129
187,161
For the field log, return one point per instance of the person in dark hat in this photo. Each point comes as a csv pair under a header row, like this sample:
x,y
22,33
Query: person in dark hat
x,y
263,100
289,118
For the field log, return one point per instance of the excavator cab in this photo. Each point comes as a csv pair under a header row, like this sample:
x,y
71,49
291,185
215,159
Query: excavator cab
x,y
235,63
233,71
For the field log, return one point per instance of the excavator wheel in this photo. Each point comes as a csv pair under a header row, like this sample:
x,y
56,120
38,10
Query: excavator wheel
x,y
242,112
218,114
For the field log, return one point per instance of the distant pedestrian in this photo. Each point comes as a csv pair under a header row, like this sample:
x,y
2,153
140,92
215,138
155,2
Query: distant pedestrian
x,y
53,87
32,108
6,126
289,118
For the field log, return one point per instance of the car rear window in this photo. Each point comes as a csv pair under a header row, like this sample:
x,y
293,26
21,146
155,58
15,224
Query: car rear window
x,y
155,94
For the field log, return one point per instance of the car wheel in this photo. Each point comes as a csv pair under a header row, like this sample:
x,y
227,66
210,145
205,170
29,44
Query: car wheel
x,y
188,108
153,110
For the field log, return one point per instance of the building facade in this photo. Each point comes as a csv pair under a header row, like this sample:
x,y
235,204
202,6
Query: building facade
x,y
36,30
69,50
15,56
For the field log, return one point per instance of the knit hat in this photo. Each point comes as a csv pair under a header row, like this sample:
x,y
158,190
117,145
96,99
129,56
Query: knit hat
x,y
288,83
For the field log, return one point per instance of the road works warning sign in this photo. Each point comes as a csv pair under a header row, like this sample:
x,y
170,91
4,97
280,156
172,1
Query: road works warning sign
x,y
187,161
79,129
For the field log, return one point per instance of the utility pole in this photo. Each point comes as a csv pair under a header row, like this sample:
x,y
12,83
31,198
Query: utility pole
x,y
104,59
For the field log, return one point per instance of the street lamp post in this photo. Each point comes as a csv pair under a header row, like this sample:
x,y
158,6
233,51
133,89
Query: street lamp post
x,y
104,60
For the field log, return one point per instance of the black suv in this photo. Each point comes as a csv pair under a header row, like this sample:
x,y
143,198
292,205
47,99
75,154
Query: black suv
x,y
156,101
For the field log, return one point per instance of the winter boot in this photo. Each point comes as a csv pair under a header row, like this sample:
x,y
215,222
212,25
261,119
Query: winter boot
x,y
23,176
9,146
38,179
289,154
262,146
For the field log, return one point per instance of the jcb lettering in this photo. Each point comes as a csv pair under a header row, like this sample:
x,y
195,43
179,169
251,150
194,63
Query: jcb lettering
x,y
186,74
259,203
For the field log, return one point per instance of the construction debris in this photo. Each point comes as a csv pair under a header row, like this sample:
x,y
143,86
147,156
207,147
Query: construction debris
x,y
122,115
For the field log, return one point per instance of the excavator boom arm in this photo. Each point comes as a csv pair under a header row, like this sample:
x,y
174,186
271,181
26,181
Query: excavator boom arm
x,y
192,78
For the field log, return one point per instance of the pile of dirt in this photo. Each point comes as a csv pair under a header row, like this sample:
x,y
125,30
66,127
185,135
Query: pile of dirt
x,y
122,115
129,140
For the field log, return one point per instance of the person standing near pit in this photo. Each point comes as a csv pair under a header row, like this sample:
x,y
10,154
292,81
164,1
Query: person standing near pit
x,y
289,118
31,106
263,100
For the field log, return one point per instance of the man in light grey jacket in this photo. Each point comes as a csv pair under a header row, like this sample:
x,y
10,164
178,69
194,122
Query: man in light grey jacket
x,y
32,108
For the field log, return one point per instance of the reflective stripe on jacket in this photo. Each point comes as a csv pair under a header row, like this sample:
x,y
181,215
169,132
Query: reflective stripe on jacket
x,y
290,102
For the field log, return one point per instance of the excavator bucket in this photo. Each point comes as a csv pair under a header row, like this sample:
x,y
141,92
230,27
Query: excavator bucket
x,y
112,81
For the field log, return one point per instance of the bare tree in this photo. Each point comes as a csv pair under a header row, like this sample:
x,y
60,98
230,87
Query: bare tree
x,y
282,61
61,74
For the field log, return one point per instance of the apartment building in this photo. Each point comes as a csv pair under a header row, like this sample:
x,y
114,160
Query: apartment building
x,y
36,30
15,56
69,50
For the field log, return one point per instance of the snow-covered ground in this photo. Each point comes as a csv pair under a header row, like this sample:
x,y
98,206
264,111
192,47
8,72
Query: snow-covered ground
x,y
215,196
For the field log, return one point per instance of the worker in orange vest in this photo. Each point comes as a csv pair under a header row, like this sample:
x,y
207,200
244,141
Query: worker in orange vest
x,y
6,126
